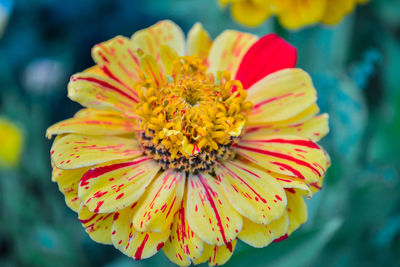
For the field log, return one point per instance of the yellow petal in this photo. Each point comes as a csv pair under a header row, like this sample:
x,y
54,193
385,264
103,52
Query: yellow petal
x,y
302,13
138,245
105,125
183,244
160,202
98,226
199,41
286,154
280,96
68,181
253,193
296,208
114,187
95,70
250,13
151,70
228,49
100,92
96,113
205,254
11,143
258,235
117,58
292,182
168,56
76,151
221,254
336,10
163,32
208,211
313,129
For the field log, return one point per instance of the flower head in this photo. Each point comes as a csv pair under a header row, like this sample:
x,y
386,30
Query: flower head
x,y
11,142
292,14
190,146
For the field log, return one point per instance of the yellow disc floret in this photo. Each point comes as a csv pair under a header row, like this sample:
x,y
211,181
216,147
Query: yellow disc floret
x,y
190,117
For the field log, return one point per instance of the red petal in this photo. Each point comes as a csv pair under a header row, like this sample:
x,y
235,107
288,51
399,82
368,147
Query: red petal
x,y
269,54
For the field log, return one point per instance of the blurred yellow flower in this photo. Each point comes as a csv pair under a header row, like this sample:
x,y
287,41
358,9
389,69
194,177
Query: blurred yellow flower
x,y
11,141
292,14
188,146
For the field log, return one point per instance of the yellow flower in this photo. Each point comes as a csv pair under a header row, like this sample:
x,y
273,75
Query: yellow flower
x,y
292,14
189,146
11,141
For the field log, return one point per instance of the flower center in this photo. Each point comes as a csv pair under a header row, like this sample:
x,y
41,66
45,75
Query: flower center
x,y
193,118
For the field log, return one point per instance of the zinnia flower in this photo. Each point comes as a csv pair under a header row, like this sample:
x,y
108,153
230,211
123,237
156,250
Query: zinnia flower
x,y
190,146
292,14
11,143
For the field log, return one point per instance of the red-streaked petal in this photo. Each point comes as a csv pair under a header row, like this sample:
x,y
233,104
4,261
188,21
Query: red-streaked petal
x,y
159,203
164,32
100,92
137,245
268,55
253,193
258,235
285,154
68,181
228,49
114,187
93,126
208,211
313,129
76,151
297,209
183,245
280,96
216,255
98,226
118,60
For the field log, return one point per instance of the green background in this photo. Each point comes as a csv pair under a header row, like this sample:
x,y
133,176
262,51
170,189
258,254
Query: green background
x,y
353,221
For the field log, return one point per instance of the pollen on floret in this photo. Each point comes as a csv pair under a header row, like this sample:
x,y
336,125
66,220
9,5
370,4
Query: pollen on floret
x,y
190,118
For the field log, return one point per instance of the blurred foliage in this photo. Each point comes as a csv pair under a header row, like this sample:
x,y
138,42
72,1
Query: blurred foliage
x,y
353,221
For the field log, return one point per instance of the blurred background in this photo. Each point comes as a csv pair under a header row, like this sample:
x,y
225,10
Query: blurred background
x,y
353,221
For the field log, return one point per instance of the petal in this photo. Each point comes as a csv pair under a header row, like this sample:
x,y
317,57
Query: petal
x,y
183,244
268,55
221,254
228,49
302,13
138,245
296,208
258,235
163,32
98,226
76,151
253,193
68,181
280,96
114,187
336,10
314,129
208,211
198,42
160,202
107,125
285,154
100,92
94,113
151,70
249,13
117,58
292,182
205,254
